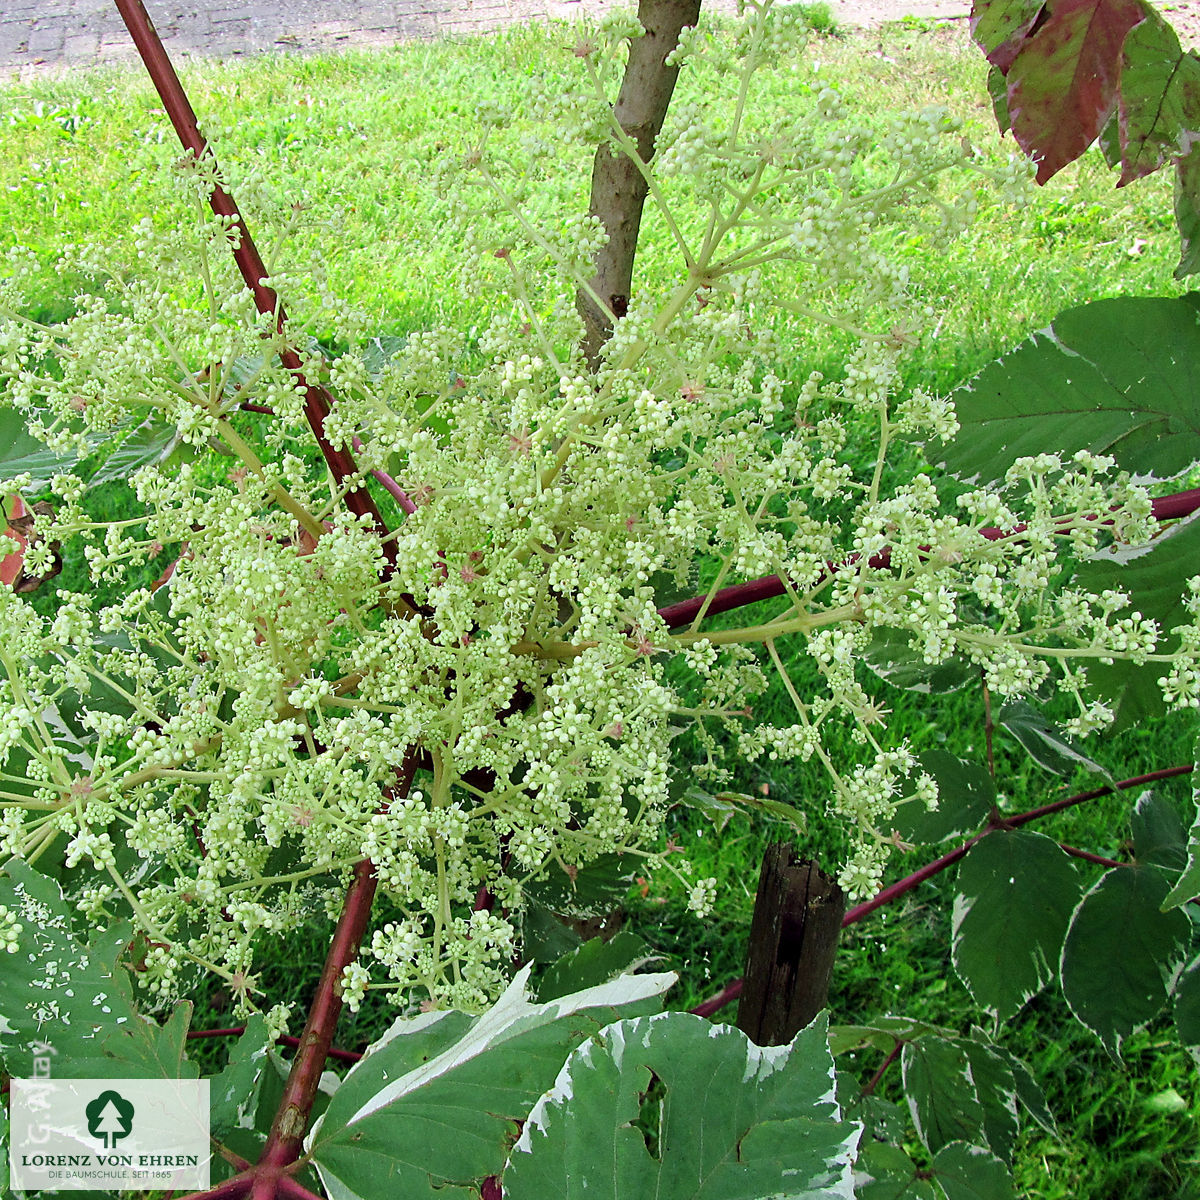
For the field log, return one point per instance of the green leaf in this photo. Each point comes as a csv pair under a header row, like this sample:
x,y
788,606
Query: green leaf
x,y
72,1003
1016,894
594,963
1120,951
1159,838
885,1172
891,656
1187,1004
882,1034
1157,588
718,809
1029,1092
941,1096
1187,886
433,1105
153,441
594,890
675,1107
544,938
1187,212
21,454
233,1094
970,1173
1159,109
999,26
966,794
379,352
1045,743
997,1092
1114,377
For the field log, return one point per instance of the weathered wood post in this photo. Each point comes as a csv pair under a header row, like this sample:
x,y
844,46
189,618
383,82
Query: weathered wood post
x,y
793,937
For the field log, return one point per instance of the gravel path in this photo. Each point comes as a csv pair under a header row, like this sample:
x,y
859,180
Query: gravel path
x,y
40,36
53,36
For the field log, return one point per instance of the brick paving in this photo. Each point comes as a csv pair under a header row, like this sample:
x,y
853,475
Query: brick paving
x,y
53,36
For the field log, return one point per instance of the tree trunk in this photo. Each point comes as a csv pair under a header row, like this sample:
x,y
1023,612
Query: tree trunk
x,y
618,187
793,937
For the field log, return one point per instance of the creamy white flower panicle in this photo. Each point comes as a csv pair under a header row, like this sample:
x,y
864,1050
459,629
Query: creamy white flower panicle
x,y
237,732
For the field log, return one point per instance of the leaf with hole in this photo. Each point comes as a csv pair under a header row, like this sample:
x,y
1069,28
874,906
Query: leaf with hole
x,y
675,1107
433,1106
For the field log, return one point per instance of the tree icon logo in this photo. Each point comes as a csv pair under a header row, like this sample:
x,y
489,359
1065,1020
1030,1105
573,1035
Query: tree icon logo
x,y
109,1117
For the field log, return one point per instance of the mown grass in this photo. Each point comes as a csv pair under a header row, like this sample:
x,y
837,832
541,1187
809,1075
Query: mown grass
x,y
352,140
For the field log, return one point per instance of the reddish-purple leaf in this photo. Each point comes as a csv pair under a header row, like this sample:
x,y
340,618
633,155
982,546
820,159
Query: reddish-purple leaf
x,y
999,28
1062,84
1158,106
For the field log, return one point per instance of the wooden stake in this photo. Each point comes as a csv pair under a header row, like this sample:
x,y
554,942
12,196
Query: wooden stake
x,y
793,938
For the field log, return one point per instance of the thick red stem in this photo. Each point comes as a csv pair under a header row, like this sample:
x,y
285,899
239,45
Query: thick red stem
x,y
289,1188
179,110
236,1188
291,1120
729,993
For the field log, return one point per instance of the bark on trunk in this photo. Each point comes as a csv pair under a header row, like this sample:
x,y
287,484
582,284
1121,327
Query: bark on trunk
x,y
618,187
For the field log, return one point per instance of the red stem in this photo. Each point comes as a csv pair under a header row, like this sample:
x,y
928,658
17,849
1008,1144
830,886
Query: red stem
x,y
1088,856
895,890
296,1191
350,1056
1164,508
1058,805
317,400
729,993
236,1188
291,1119
873,1083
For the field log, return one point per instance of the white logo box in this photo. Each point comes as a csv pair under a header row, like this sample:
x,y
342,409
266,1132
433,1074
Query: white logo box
x,y
92,1134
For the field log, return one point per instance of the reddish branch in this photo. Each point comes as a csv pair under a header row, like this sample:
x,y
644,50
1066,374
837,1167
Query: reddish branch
x,y
1088,856
684,612
317,401
349,1056
874,1081
995,822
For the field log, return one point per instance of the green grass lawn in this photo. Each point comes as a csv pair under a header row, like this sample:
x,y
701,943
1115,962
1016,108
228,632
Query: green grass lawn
x,y
353,141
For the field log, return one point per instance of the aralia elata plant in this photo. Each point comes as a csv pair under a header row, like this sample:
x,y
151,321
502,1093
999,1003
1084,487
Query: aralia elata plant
x,y
409,664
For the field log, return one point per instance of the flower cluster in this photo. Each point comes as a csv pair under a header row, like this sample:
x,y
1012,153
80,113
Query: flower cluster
x,y
224,747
